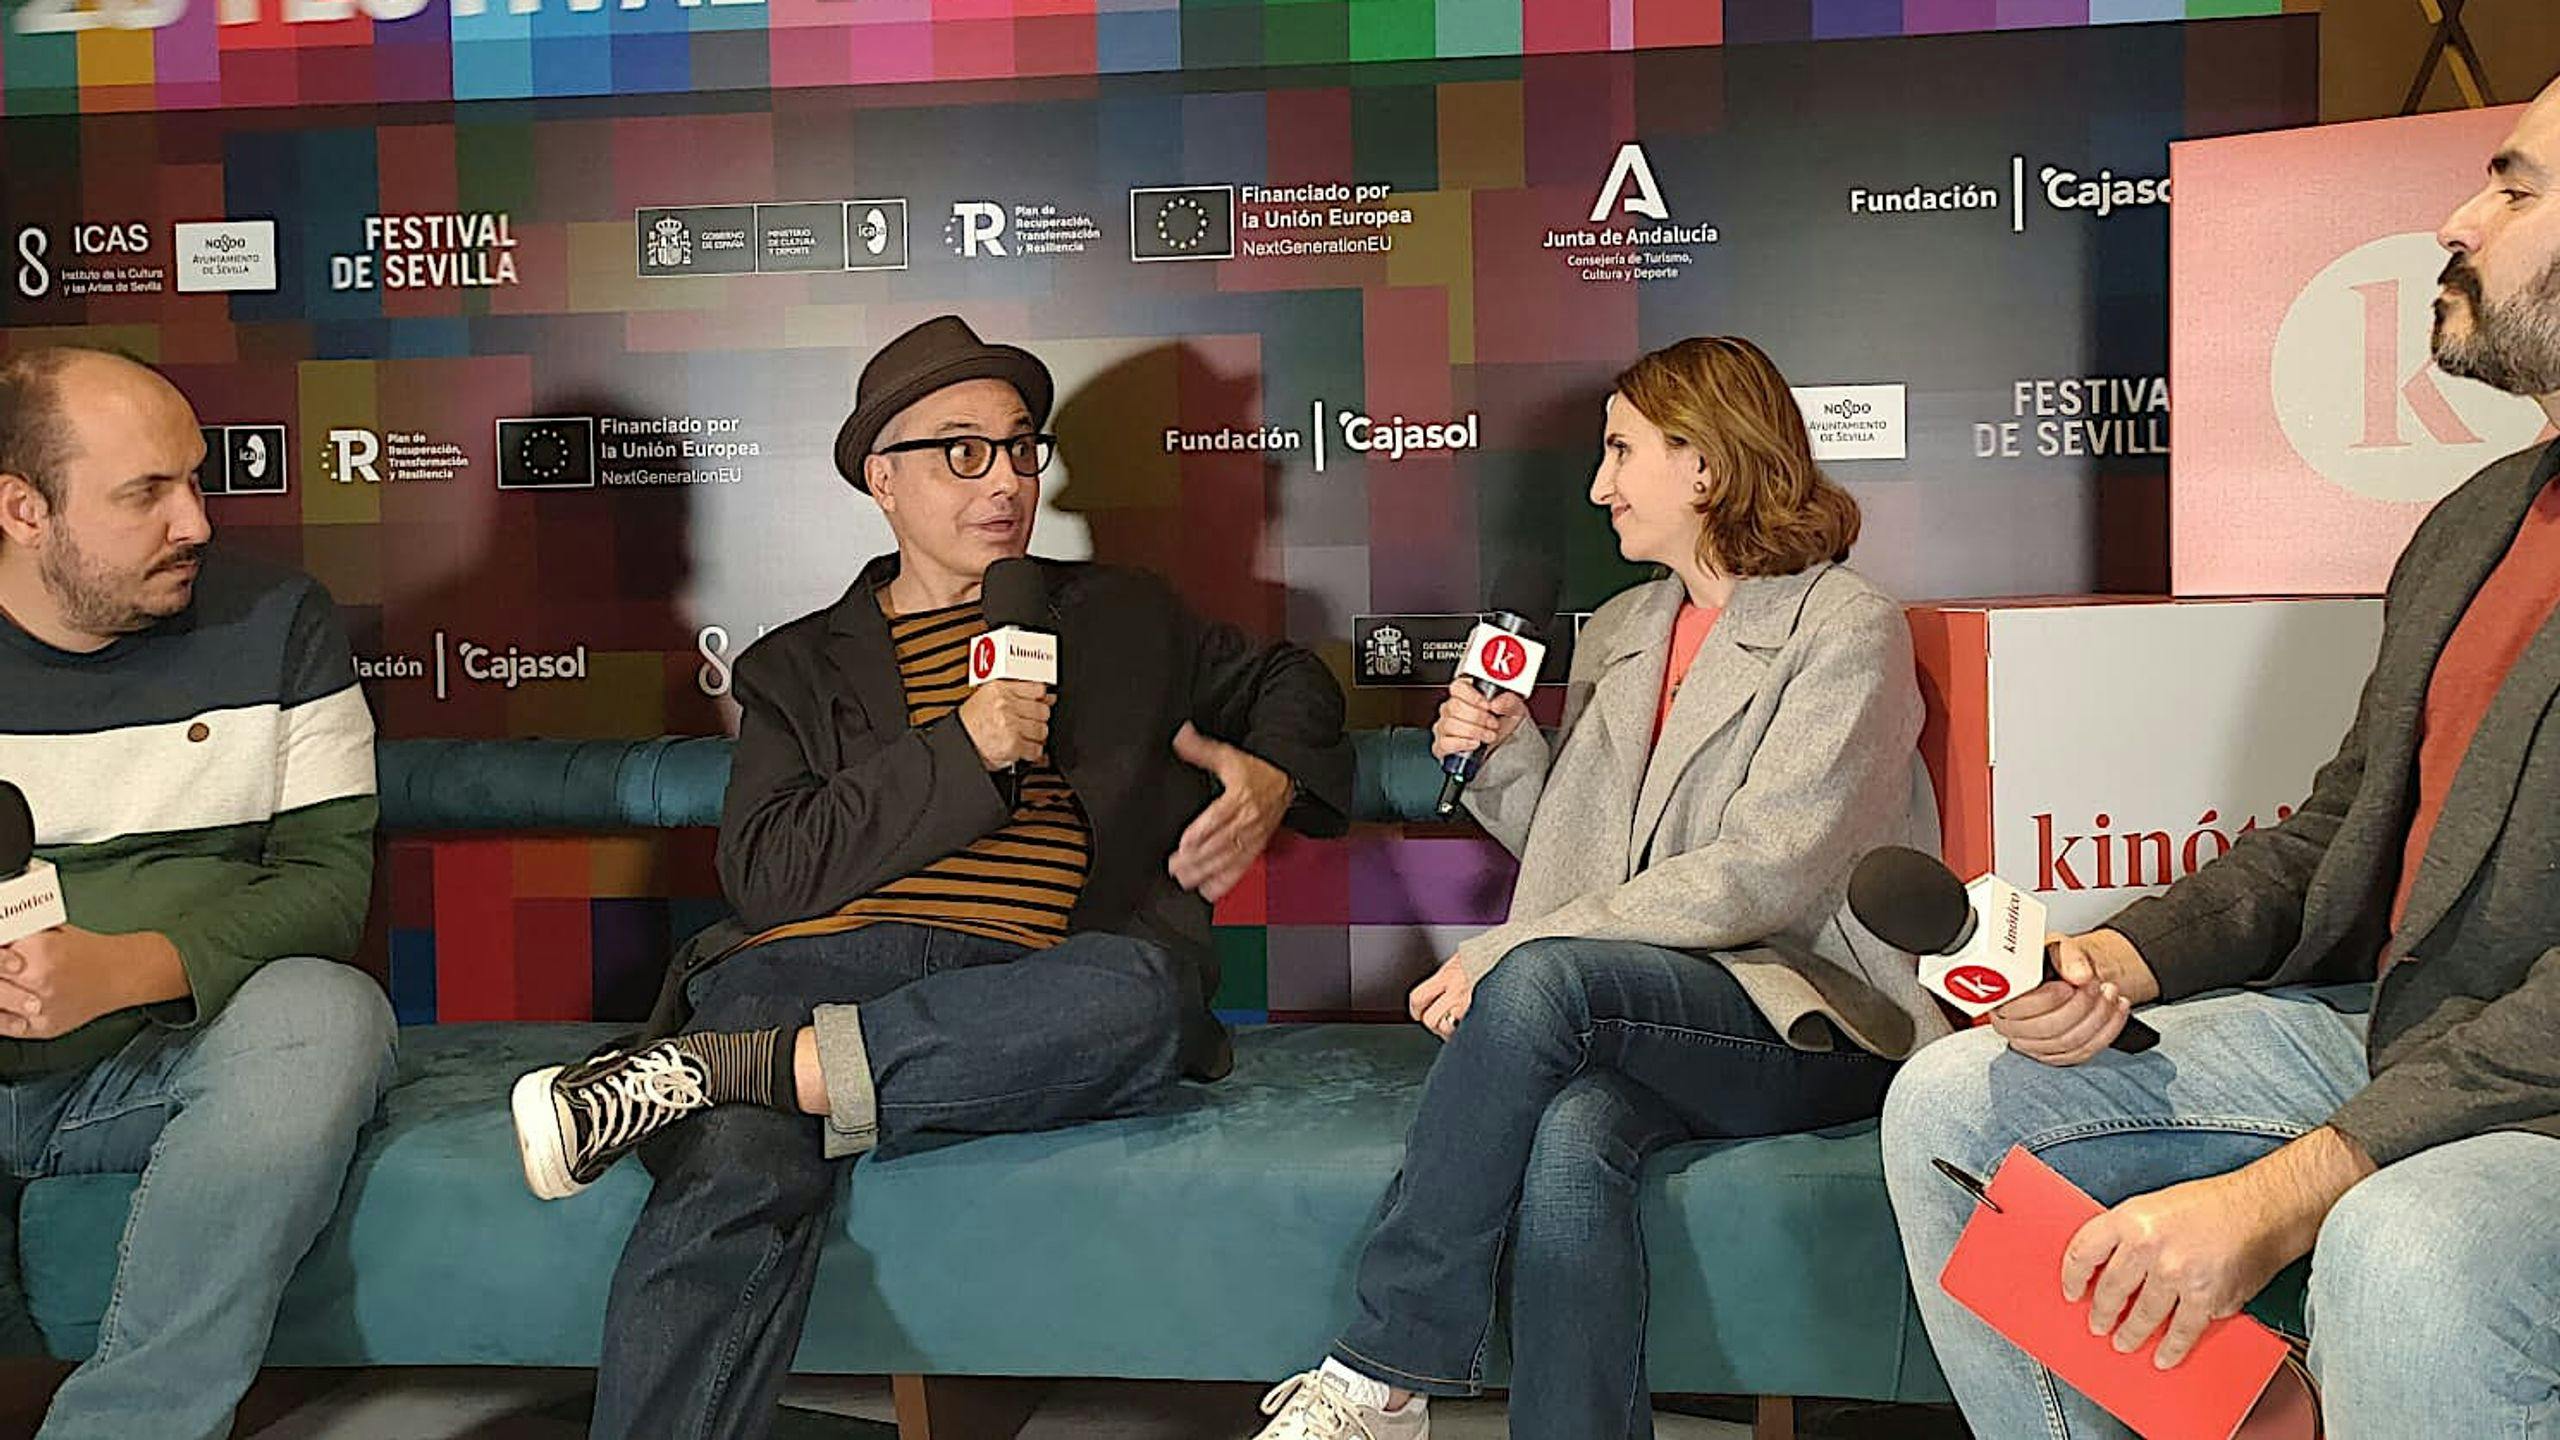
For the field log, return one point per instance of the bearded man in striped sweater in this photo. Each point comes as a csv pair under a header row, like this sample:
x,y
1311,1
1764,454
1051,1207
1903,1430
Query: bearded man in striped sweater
x,y
199,762
960,911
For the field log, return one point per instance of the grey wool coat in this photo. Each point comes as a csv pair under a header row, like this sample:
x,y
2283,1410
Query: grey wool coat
x,y
1788,754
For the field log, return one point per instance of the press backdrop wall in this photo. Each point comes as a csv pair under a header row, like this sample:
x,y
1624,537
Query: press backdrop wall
x,y
528,330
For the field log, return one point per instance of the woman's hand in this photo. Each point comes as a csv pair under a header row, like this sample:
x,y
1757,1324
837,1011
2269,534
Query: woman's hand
x,y
1469,721
1441,1001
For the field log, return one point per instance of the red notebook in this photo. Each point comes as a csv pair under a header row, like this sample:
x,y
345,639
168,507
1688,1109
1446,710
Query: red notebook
x,y
2007,1269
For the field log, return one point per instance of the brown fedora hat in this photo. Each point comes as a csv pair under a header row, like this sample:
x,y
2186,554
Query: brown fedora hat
x,y
939,353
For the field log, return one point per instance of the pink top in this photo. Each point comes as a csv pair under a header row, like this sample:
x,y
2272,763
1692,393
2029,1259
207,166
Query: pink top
x,y
1688,632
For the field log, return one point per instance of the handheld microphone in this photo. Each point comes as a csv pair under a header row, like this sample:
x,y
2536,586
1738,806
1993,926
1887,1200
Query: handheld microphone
x,y
30,891
1979,946
1017,644
1504,653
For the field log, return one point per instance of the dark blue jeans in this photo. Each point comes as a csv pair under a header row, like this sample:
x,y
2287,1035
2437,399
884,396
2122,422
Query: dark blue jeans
x,y
1576,1060
964,1036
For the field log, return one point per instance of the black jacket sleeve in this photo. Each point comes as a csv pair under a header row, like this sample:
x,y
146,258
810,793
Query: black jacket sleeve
x,y
798,841
1277,701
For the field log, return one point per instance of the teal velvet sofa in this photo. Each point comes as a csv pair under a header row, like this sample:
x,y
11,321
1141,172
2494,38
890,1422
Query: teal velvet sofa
x,y
1211,1242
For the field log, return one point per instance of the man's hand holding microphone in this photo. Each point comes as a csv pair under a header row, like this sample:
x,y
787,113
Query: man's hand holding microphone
x,y
2069,1019
2168,1263
1008,721
55,976
1013,674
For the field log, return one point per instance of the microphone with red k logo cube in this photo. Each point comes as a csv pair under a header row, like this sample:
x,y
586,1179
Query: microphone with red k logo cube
x,y
1979,946
1504,653
1018,644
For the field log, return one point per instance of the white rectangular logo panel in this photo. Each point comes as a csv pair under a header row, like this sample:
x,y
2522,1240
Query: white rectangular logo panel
x,y
31,903
1014,654
216,256
1855,422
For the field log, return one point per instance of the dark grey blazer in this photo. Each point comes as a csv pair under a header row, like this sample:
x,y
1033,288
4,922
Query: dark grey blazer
x,y
834,793
2466,1026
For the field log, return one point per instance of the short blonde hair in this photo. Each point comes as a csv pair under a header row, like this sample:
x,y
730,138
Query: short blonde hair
x,y
1769,509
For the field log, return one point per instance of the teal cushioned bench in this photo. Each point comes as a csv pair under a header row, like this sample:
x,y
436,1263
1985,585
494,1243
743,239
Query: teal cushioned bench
x,y
1211,1242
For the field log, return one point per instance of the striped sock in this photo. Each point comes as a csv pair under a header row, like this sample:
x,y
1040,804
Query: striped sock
x,y
741,1065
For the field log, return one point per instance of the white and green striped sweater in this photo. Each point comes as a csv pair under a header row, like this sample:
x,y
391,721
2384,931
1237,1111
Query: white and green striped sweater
x,y
210,779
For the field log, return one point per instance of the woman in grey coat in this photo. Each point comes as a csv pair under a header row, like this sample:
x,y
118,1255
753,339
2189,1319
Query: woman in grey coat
x,y
1678,964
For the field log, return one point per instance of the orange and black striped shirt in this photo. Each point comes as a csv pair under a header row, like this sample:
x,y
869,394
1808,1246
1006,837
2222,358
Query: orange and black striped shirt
x,y
1018,883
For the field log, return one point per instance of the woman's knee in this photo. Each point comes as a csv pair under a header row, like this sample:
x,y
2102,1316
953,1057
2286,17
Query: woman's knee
x,y
1540,984
1585,1163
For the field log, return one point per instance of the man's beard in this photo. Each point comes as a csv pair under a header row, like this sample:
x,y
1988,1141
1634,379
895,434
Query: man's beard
x,y
95,598
2513,345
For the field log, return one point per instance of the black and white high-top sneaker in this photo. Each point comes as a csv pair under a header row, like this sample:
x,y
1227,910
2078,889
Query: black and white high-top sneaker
x,y
574,1121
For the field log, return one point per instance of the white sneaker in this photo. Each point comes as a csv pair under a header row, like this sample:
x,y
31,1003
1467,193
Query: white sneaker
x,y
1315,1406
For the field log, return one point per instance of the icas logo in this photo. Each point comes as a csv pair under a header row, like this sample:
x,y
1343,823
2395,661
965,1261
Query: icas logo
x,y
34,280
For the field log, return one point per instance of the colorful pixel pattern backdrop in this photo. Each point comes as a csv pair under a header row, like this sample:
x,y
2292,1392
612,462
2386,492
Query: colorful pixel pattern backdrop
x,y
546,395
108,55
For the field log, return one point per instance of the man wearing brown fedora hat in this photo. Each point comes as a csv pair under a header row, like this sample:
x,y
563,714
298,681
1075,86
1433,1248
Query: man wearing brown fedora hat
x,y
915,934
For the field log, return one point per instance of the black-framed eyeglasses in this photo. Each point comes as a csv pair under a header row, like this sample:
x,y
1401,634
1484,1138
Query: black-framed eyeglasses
x,y
972,456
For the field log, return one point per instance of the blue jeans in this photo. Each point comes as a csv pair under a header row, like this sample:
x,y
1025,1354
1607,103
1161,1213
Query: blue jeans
x,y
2435,1282
961,1035
242,1130
1577,1059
